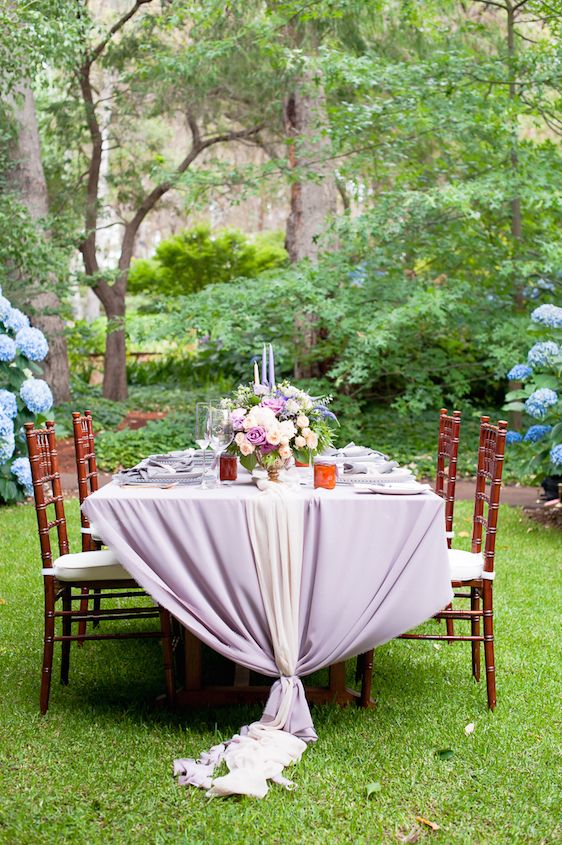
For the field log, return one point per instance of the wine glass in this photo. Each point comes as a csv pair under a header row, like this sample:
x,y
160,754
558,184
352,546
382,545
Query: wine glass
x,y
221,433
202,432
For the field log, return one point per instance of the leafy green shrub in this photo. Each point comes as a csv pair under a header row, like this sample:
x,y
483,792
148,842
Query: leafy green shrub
x,y
198,257
125,448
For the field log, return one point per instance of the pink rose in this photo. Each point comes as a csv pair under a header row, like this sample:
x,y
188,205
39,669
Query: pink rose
x,y
276,403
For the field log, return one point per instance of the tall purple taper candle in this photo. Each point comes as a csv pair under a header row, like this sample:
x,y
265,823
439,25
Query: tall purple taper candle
x,y
271,367
263,367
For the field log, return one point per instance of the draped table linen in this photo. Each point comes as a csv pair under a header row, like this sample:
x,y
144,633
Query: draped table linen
x,y
284,582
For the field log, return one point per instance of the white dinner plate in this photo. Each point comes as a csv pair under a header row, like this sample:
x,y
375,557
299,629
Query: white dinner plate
x,y
393,489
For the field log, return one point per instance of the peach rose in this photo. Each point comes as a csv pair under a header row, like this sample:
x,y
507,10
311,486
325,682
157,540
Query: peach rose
x,y
285,452
246,448
312,440
302,421
240,438
273,436
305,431
300,442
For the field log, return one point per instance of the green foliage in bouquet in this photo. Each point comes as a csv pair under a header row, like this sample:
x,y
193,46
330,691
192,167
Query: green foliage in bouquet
x,y
198,257
23,397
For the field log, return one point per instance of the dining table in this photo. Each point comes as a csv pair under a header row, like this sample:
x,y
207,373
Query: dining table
x,y
283,580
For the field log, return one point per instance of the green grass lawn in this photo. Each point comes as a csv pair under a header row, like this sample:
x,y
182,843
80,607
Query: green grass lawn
x,y
98,767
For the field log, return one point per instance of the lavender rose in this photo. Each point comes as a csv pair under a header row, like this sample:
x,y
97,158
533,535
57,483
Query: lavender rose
x,y
256,436
276,403
237,418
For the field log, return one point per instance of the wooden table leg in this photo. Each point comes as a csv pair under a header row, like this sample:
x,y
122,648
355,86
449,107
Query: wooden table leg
x,y
193,673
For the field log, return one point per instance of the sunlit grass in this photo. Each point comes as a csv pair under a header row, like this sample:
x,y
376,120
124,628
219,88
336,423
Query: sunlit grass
x,y
97,768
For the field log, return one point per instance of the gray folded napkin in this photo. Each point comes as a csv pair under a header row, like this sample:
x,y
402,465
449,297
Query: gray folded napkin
x,y
358,467
353,451
158,467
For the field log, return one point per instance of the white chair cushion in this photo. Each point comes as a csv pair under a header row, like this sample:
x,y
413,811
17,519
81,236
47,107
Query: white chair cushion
x,y
89,566
465,566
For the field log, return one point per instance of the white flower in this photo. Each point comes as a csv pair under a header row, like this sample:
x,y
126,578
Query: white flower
x,y
287,428
273,436
305,431
302,421
300,442
292,406
246,448
260,417
312,440
240,438
285,452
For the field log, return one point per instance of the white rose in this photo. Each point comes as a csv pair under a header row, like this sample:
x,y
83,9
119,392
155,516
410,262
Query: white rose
x,y
302,421
287,428
273,436
312,440
240,438
292,406
285,452
284,440
305,432
246,448
300,442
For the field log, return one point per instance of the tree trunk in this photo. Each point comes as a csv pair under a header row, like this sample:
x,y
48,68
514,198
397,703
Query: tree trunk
x,y
115,363
27,179
313,195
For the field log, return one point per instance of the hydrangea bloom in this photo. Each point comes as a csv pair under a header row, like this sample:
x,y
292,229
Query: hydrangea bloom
x,y
8,404
5,308
513,437
21,468
542,354
540,401
519,372
37,395
6,426
537,432
7,348
548,315
556,455
7,446
32,343
16,320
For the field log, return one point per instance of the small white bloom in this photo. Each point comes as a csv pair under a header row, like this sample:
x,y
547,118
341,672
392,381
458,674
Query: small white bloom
x,y
305,431
300,442
469,728
292,406
273,436
312,440
302,421
287,428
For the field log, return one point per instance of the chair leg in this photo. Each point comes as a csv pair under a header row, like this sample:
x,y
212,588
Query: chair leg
x,y
359,667
82,623
168,655
48,646
489,643
367,678
450,623
66,630
475,632
97,606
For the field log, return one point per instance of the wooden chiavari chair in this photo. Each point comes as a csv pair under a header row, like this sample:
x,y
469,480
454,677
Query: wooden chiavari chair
x,y
91,570
445,482
446,477
474,571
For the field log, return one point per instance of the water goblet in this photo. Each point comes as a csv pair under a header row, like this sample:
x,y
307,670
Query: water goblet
x,y
202,433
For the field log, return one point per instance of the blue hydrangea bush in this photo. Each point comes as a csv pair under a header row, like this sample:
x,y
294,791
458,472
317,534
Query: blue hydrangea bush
x,y
24,397
540,396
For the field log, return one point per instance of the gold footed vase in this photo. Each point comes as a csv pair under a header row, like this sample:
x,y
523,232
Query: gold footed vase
x,y
273,469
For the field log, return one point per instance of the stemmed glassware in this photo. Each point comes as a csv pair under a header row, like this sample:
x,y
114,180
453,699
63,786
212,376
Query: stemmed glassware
x,y
221,433
202,432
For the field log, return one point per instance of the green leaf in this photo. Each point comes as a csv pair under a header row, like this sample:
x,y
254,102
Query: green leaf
x,y
373,787
514,406
445,753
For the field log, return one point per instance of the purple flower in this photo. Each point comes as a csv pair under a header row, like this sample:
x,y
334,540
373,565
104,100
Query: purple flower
x,y
237,418
276,403
267,448
256,436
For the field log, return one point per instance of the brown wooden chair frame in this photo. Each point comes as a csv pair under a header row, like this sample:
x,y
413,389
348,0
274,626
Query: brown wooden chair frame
x,y
446,476
47,491
491,451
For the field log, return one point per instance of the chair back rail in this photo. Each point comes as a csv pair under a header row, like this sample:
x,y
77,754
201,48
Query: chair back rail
x,y
86,469
47,489
491,450
447,458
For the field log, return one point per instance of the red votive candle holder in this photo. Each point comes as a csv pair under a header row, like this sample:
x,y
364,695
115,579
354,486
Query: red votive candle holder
x,y
228,468
325,474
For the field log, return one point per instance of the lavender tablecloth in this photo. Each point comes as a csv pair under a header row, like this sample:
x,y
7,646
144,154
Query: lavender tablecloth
x,y
373,566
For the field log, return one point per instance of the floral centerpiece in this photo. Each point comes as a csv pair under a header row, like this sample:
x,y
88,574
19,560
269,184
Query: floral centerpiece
x,y
276,422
